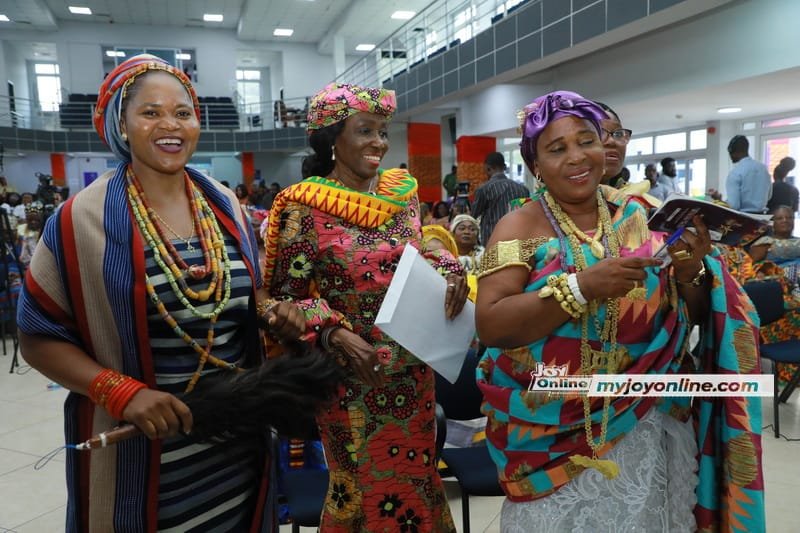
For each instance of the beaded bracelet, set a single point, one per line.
(265, 306)
(558, 288)
(113, 391)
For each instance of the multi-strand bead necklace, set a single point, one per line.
(216, 263)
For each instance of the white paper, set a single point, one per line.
(412, 313)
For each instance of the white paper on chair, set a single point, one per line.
(412, 313)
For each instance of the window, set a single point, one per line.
(788, 121)
(248, 85)
(640, 146)
(697, 140)
(671, 142)
(48, 86)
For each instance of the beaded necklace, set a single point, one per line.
(172, 265)
(591, 360)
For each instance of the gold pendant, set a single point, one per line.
(608, 468)
(639, 293)
(597, 249)
(189, 247)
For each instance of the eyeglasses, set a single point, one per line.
(621, 135)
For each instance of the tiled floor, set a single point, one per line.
(33, 501)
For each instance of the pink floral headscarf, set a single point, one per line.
(337, 101)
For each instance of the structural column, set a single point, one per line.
(425, 159)
(471, 152)
(248, 170)
(58, 170)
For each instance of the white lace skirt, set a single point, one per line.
(654, 491)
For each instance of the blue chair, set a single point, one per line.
(767, 297)
(472, 467)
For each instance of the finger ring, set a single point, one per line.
(376, 368)
(451, 285)
(683, 255)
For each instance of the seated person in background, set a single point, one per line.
(19, 209)
(782, 248)
(425, 216)
(30, 232)
(241, 194)
(783, 193)
(435, 237)
(441, 214)
(467, 235)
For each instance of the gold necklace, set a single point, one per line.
(593, 360)
(595, 243)
(189, 247)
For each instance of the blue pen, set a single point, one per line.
(662, 252)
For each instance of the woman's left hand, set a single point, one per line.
(285, 321)
(456, 295)
(688, 253)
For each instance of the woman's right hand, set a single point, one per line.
(614, 277)
(286, 321)
(362, 356)
(158, 414)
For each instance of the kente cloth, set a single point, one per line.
(395, 188)
(531, 438)
(109, 99)
(337, 101)
(379, 442)
(85, 286)
(744, 270)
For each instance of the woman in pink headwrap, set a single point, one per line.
(332, 246)
(144, 283)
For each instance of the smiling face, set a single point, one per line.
(570, 159)
(361, 145)
(614, 149)
(783, 222)
(161, 125)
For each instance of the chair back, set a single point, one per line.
(461, 400)
(767, 297)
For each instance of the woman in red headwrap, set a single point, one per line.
(332, 246)
(145, 282)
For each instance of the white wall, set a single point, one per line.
(398, 145)
(21, 171)
(297, 67)
(280, 167)
(227, 168)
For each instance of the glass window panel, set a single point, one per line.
(671, 142)
(697, 177)
(788, 121)
(252, 74)
(749, 126)
(49, 92)
(45, 68)
(640, 146)
(697, 139)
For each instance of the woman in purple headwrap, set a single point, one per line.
(143, 284)
(569, 286)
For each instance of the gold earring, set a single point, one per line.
(333, 153)
(124, 137)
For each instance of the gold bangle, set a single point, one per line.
(265, 306)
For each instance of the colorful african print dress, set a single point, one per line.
(333, 251)
(531, 438)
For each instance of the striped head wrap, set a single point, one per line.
(337, 101)
(535, 117)
(112, 92)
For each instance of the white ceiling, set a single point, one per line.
(313, 21)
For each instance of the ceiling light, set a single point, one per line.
(403, 15)
(728, 109)
(183, 57)
(210, 17)
(115, 53)
(80, 10)
(4, 18)
(282, 32)
(365, 47)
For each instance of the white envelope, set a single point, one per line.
(413, 315)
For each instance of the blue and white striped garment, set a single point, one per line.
(203, 487)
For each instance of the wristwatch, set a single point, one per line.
(697, 280)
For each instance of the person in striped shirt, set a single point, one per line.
(492, 199)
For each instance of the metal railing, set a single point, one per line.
(214, 114)
(442, 25)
